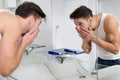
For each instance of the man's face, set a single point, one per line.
(36, 24)
(32, 23)
(82, 23)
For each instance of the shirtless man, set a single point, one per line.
(26, 20)
(102, 29)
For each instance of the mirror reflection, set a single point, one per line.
(59, 40)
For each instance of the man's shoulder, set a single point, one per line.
(6, 14)
(112, 18)
(5, 10)
(9, 21)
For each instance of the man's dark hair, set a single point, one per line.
(29, 8)
(81, 12)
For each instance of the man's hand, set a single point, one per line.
(31, 34)
(28, 38)
(86, 33)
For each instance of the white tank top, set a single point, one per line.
(101, 34)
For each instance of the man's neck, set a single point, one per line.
(96, 21)
(21, 22)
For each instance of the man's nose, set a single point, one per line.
(78, 27)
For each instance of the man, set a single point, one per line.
(17, 31)
(102, 29)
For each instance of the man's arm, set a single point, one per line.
(112, 36)
(86, 46)
(11, 51)
(8, 50)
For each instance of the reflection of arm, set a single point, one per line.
(112, 36)
(10, 56)
(86, 46)
(11, 50)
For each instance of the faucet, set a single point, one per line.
(32, 47)
(11, 77)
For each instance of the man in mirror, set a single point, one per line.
(102, 29)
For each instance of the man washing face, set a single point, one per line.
(18, 31)
(102, 29)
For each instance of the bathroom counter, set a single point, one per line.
(110, 73)
(60, 54)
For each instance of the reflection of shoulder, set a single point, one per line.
(6, 19)
(6, 13)
(10, 21)
(5, 10)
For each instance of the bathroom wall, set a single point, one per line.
(1, 4)
(110, 6)
(58, 19)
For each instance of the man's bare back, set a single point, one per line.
(13, 43)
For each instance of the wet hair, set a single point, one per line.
(29, 8)
(81, 12)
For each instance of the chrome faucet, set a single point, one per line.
(32, 47)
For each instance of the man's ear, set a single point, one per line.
(31, 20)
(90, 20)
